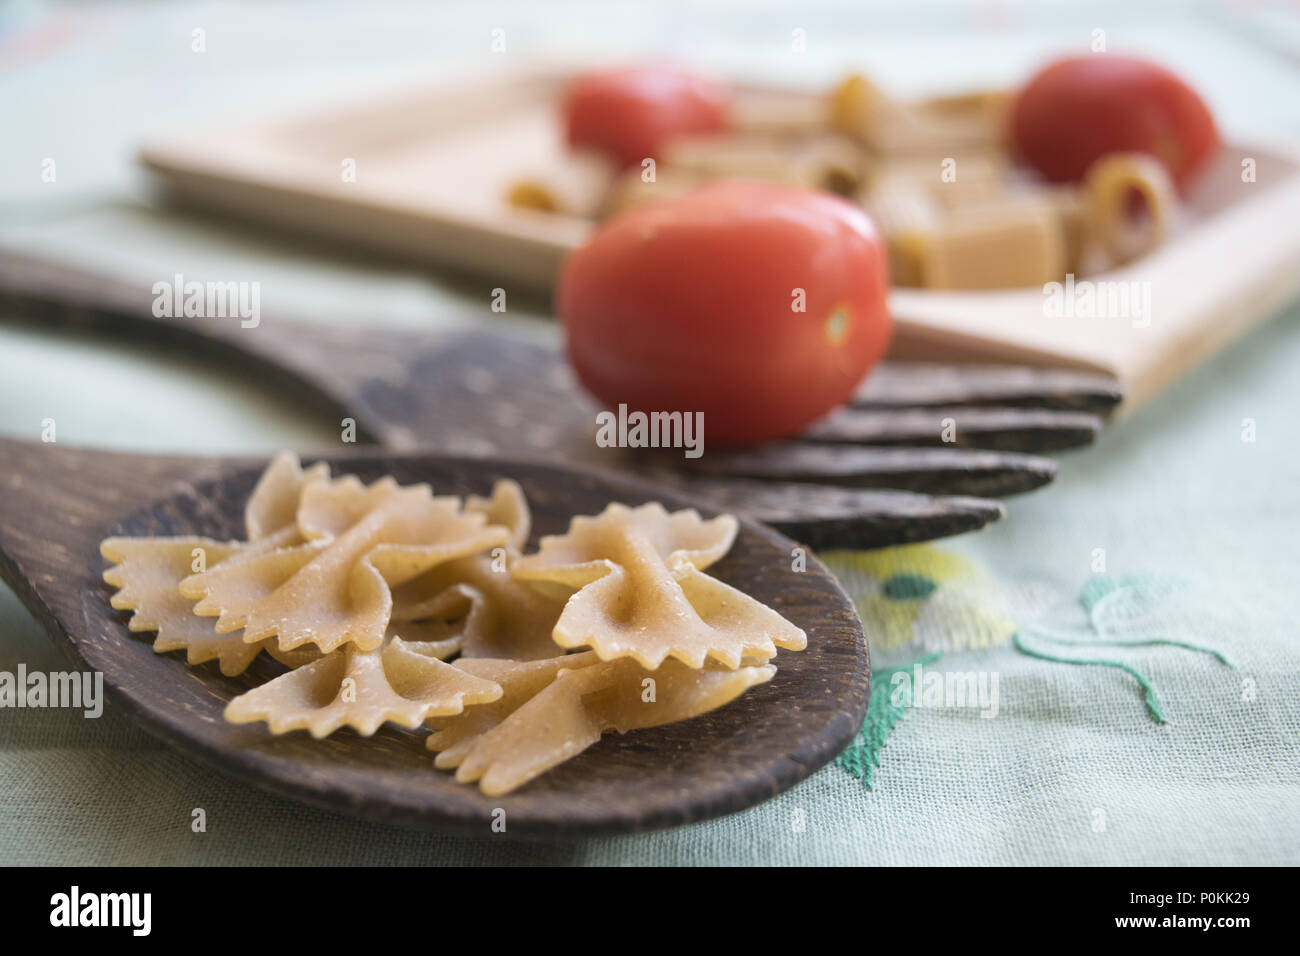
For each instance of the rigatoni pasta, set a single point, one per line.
(1112, 183)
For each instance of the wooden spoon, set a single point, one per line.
(57, 504)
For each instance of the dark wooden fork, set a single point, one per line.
(875, 473)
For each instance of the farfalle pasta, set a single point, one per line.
(360, 541)
(584, 700)
(502, 617)
(362, 689)
(147, 574)
(388, 604)
(642, 592)
(148, 571)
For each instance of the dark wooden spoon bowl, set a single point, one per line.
(59, 503)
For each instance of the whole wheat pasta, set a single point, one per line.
(984, 107)
(574, 709)
(575, 186)
(995, 246)
(778, 113)
(365, 593)
(825, 161)
(633, 189)
(907, 217)
(641, 593)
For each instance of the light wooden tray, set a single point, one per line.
(433, 166)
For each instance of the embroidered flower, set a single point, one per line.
(918, 594)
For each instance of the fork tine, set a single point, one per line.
(1006, 429)
(826, 516)
(944, 471)
(911, 384)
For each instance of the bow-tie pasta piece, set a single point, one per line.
(146, 573)
(520, 681)
(434, 624)
(580, 704)
(298, 657)
(149, 570)
(335, 589)
(503, 618)
(507, 507)
(440, 639)
(578, 557)
(333, 509)
(362, 690)
(642, 594)
(365, 591)
(229, 592)
(273, 505)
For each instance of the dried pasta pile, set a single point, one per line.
(367, 593)
(936, 175)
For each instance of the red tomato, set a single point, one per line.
(760, 305)
(632, 113)
(1078, 109)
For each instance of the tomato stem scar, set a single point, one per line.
(837, 325)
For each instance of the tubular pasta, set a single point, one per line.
(1110, 183)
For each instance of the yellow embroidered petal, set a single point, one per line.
(362, 690)
(934, 563)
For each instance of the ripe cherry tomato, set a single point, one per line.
(632, 113)
(760, 305)
(1078, 109)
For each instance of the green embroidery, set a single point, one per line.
(1152, 701)
(920, 595)
(908, 587)
(883, 714)
(1108, 598)
(913, 594)
(1054, 637)
(1132, 594)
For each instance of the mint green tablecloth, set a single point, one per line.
(1072, 768)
